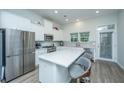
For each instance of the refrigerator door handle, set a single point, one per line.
(2, 73)
(33, 52)
(13, 55)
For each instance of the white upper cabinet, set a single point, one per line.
(58, 35)
(38, 29)
(48, 27)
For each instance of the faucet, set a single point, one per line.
(77, 44)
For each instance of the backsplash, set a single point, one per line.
(90, 44)
(45, 43)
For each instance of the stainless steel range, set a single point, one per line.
(50, 48)
(17, 53)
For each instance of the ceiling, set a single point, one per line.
(72, 14)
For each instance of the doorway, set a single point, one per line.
(106, 43)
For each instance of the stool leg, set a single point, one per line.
(78, 80)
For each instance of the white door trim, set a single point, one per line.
(114, 45)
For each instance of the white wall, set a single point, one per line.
(8, 20)
(26, 14)
(89, 25)
(14, 20)
(121, 38)
(11, 19)
(22, 20)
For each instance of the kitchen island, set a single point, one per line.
(53, 67)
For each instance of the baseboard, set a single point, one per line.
(121, 66)
(106, 60)
(37, 66)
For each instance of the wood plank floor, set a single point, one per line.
(106, 72)
(101, 72)
(31, 77)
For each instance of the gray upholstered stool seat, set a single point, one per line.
(84, 62)
(79, 68)
(88, 54)
(76, 71)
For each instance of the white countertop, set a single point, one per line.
(64, 56)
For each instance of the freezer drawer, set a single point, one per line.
(29, 62)
(14, 67)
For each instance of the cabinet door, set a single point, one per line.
(38, 29)
(58, 35)
(55, 35)
(61, 36)
(48, 27)
(36, 57)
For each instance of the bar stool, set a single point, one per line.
(80, 69)
(88, 54)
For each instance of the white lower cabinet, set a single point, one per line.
(39, 52)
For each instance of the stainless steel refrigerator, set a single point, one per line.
(17, 53)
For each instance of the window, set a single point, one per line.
(84, 36)
(74, 37)
(106, 27)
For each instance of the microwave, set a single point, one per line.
(48, 37)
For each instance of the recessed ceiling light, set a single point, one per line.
(97, 12)
(66, 19)
(55, 11)
(77, 20)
